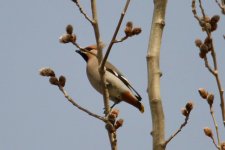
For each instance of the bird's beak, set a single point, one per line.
(82, 54)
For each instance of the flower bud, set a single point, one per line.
(69, 29)
(54, 81)
(115, 112)
(119, 123)
(66, 38)
(129, 24)
(206, 19)
(202, 55)
(128, 31)
(47, 72)
(73, 38)
(184, 112)
(189, 106)
(198, 42)
(208, 132)
(222, 146)
(213, 27)
(62, 81)
(203, 93)
(214, 19)
(204, 48)
(210, 99)
(136, 31)
(208, 26)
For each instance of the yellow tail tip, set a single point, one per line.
(142, 109)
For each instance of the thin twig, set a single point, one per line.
(112, 136)
(215, 124)
(114, 35)
(179, 130)
(214, 142)
(81, 108)
(220, 4)
(207, 65)
(214, 70)
(194, 11)
(202, 9)
(121, 40)
(82, 11)
(216, 75)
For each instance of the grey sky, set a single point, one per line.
(35, 115)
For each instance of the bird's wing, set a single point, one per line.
(112, 69)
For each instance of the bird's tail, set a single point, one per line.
(130, 99)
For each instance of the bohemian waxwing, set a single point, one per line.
(118, 86)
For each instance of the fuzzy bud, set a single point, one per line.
(115, 112)
(129, 24)
(136, 31)
(198, 42)
(213, 27)
(214, 19)
(208, 132)
(189, 106)
(73, 38)
(69, 29)
(128, 31)
(184, 112)
(119, 123)
(202, 55)
(206, 19)
(208, 27)
(210, 99)
(62, 81)
(54, 81)
(204, 48)
(222, 146)
(47, 72)
(66, 38)
(203, 93)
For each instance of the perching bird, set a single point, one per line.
(118, 86)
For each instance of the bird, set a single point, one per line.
(118, 86)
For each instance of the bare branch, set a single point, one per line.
(214, 70)
(202, 9)
(215, 124)
(112, 136)
(81, 108)
(121, 40)
(179, 130)
(207, 65)
(82, 11)
(214, 142)
(154, 74)
(221, 5)
(114, 35)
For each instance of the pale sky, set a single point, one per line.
(35, 115)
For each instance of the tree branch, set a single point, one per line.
(81, 108)
(82, 11)
(215, 124)
(213, 71)
(154, 74)
(112, 136)
(114, 35)
(178, 131)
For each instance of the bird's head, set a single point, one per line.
(91, 52)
